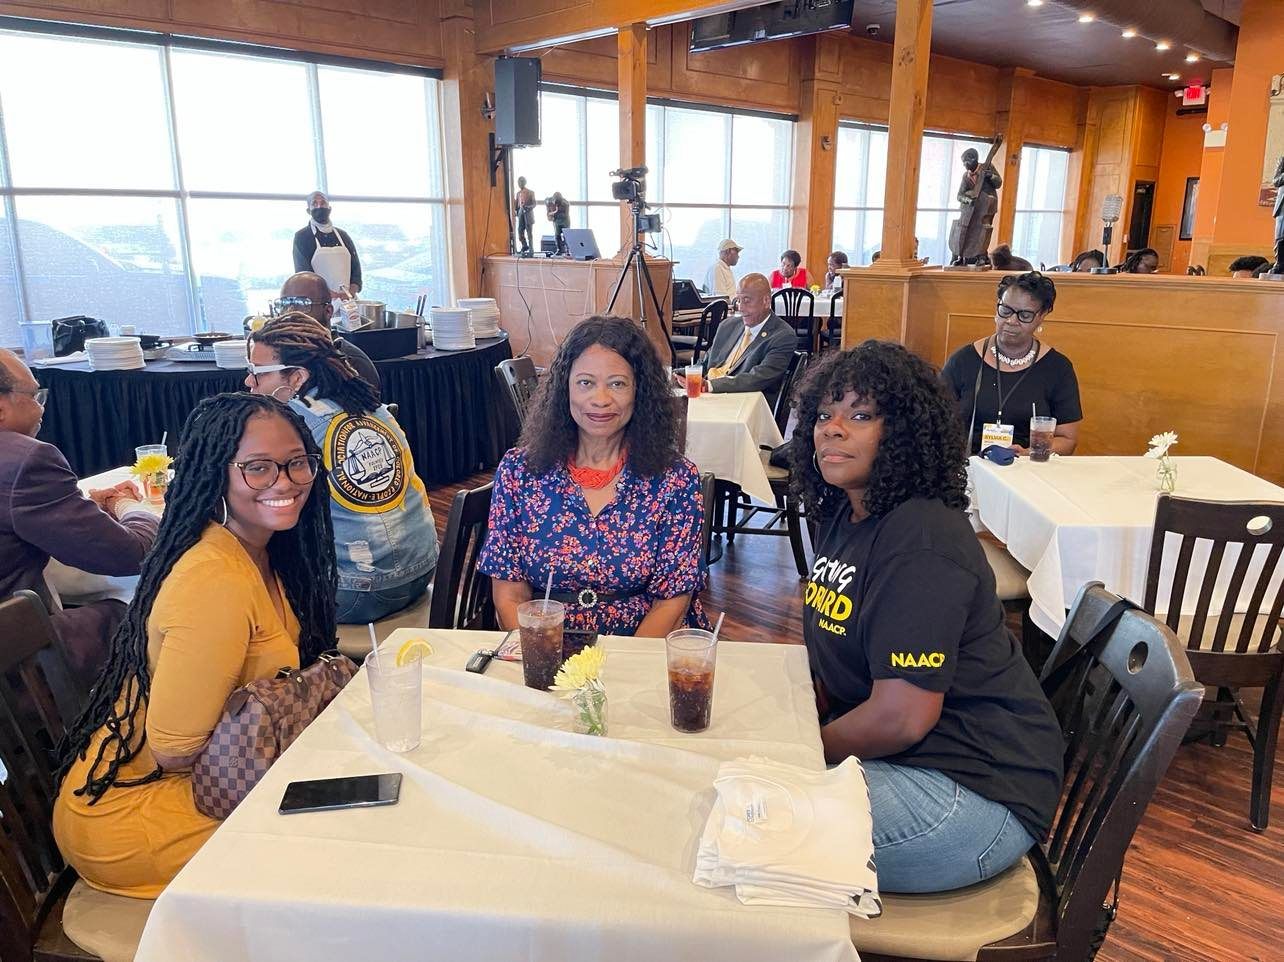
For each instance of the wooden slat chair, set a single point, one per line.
(690, 348)
(1124, 698)
(1227, 650)
(520, 379)
(46, 913)
(832, 334)
(797, 308)
(461, 594)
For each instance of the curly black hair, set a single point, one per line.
(922, 453)
(551, 436)
(1037, 285)
(303, 557)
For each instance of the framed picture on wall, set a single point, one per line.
(1188, 209)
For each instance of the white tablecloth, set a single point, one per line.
(723, 435)
(1074, 520)
(73, 585)
(514, 839)
(822, 306)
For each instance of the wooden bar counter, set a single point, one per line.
(1195, 355)
(542, 298)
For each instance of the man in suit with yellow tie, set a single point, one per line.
(754, 355)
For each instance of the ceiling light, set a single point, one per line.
(1128, 33)
(1163, 45)
(1086, 18)
(1034, 3)
(1173, 76)
(1192, 57)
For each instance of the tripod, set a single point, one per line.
(641, 273)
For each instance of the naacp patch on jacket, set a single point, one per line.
(367, 471)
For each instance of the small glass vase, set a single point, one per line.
(1166, 475)
(589, 703)
(155, 485)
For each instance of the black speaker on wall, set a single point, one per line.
(517, 101)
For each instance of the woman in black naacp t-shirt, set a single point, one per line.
(915, 672)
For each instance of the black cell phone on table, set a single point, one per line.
(330, 794)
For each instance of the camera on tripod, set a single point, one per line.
(631, 189)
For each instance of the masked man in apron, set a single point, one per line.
(327, 250)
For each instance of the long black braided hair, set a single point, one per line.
(302, 342)
(303, 558)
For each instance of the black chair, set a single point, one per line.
(1227, 650)
(1124, 696)
(461, 594)
(708, 490)
(797, 307)
(832, 334)
(41, 899)
(736, 511)
(689, 348)
(520, 379)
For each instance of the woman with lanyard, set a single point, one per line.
(327, 250)
(1000, 381)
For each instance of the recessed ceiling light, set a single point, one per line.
(1163, 45)
(1173, 76)
(1128, 33)
(1192, 57)
(1034, 3)
(1086, 18)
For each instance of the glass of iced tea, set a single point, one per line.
(540, 623)
(691, 654)
(695, 380)
(1041, 431)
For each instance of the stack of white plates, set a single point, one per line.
(483, 315)
(114, 353)
(230, 355)
(451, 330)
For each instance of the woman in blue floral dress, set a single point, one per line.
(598, 493)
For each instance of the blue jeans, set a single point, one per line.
(358, 607)
(931, 834)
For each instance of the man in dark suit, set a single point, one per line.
(753, 355)
(44, 515)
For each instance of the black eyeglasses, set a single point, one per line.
(1025, 317)
(40, 395)
(294, 302)
(261, 473)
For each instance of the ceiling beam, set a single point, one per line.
(509, 26)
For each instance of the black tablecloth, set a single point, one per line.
(451, 407)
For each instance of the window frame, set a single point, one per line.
(1061, 212)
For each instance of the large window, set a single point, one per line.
(1040, 205)
(713, 174)
(859, 184)
(939, 176)
(161, 185)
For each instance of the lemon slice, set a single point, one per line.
(414, 649)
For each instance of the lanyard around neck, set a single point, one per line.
(998, 388)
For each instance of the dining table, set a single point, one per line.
(1071, 520)
(73, 585)
(514, 837)
(725, 437)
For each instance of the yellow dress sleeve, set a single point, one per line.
(206, 617)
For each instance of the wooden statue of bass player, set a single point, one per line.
(979, 200)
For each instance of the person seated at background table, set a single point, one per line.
(999, 380)
(754, 355)
(309, 293)
(1144, 261)
(1085, 261)
(1002, 259)
(915, 671)
(384, 533)
(240, 583)
(719, 280)
(1248, 265)
(836, 262)
(791, 272)
(598, 492)
(44, 515)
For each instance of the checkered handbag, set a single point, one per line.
(260, 721)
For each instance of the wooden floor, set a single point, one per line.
(1199, 884)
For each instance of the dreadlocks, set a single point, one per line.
(301, 342)
(303, 558)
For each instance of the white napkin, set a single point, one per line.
(75, 358)
(784, 835)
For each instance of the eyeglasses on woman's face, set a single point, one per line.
(257, 369)
(261, 473)
(1025, 317)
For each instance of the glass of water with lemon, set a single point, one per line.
(395, 673)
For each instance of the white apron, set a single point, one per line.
(333, 263)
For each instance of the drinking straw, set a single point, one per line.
(548, 588)
(164, 437)
(718, 627)
(374, 643)
(1034, 412)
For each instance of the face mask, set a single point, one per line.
(321, 215)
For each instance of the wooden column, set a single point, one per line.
(815, 156)
(910, 55)
(477, 213)
(1009, 124)
(631, 60)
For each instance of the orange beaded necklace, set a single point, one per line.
(595, 478)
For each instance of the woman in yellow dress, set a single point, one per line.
(240, 583)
